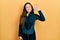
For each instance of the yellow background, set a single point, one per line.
(10, 11)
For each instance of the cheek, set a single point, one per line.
(28, 9)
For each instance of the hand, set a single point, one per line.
(36, 7)
(20, 38)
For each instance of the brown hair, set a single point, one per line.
(24, 13)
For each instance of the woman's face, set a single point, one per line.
(28, 8)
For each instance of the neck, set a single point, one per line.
(28, 14)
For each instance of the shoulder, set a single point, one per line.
(35, 14)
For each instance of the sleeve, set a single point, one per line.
(20, 30)
(40, 16)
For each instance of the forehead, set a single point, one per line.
(28, 5)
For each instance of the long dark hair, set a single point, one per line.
(24, 13)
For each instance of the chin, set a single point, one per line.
(28, 11)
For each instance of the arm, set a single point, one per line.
(20, 30)
(40, 16)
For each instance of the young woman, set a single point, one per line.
(27, 21)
